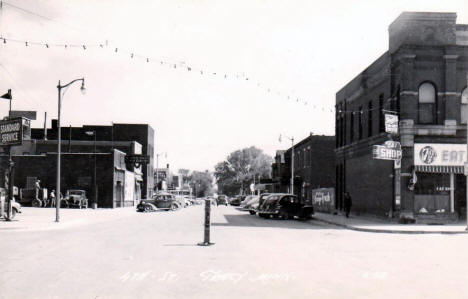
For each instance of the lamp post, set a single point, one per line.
(59, 141)
(10, 165)
(93, 133)
(292, 162)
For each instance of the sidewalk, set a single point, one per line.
(376, 225)
(39, 219)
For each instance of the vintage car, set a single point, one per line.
(15, 206)
(159, 201)
(74, 198)
(222, 200)
(285, 206)
(236, 201)
(252, 205)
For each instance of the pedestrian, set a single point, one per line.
(347, 203)
(52, 198)
(37, 186)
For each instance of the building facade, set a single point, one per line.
(116, 136)
(422, 78)
(313, 166)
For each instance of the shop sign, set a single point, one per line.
(391, 123)
(439, 154)
(384, 153)
(11, 132)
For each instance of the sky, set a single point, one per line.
(269, 67)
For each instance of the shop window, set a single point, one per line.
(432, 193)
(464, 106)
(427, 104)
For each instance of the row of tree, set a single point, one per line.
(241, 169)
(233, 176)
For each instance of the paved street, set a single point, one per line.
(153, 255)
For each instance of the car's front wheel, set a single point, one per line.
(36, 203)
(174, 207)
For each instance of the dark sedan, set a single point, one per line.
(285, 206)
(160, 201)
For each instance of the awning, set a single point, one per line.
(438, 169)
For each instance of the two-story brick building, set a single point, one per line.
(313, 166)
(423, 79)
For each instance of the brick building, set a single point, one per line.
(423, 79)
(313, 166)
(116, 136)
(83, 149)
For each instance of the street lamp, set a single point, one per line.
(59, 141)
(93, 133)
(8, 96)
(292, 161)
(157, 171)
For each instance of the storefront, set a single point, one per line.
(439, 183)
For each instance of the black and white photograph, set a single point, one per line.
(233, 149)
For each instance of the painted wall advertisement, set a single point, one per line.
(323, 200)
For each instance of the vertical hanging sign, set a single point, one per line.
(391, 123)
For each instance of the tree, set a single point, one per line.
(240, 169)
(201, 183)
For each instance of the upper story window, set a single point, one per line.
(381, 114)
(427, 104)
(351, 128)
(464, 106)
(360, 122)
(369, 119)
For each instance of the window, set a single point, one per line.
(351, 131)
(369, 119)
(464, 106)
(381, 114)
(427, 104)
(360, 121)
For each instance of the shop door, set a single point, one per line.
(460, 195)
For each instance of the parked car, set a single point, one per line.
(236, 201)
(285, 206)
(28, 197)
(246, 200)
(222, 200)
(74, 198)
(252, 205)
(15, 206)
(160, 201)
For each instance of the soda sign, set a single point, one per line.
(11, 132)
(384, 153)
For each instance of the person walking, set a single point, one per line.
(347, 203)
(52, 198)
(37, 186)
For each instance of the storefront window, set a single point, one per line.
(432, 193)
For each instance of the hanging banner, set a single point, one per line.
(391, 123)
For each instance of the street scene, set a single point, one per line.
(212, 149)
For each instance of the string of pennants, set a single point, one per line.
(167, 63)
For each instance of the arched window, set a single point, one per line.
(427, 104)
(464, 106)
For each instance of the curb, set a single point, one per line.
(390, 231)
